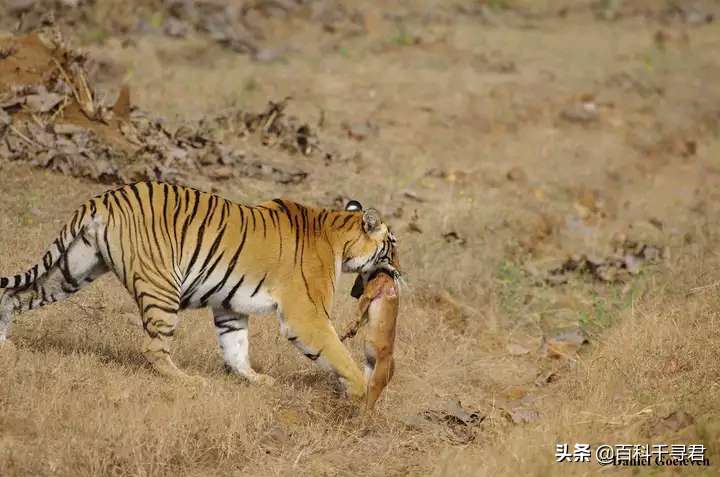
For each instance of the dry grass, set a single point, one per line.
(76, 398)
(659, 362)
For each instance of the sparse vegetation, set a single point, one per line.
(558, 224)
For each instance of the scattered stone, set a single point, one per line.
(413, 196)
(358, 131)
(455, 238)
(517, 174)
(583, 113)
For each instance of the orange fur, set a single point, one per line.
(379, 305)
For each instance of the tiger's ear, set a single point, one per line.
(353, 206)
(371, 220)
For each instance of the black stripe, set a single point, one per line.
(347, 219)
(262, 216)
(297, 239)
(157, 295)
(283, 206)
(65, 270)
(151, 193)
(188, 219)
(47, 260)
(201, 234)
(257, 288)
(165, 230)
(152, 306)
(227, 330)
(227, 320)
(228, 299)
(230, 269)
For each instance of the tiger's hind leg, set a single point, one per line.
(6, 316)
(233, 336)
(160, 318)
(80, 265)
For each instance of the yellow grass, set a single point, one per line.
(77, 399)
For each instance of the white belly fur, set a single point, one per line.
(260, 304)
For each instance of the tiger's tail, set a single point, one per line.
(57, 249)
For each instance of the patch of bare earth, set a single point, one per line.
(549, 167)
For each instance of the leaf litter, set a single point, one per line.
(458, 424)
(51, 117)
(627, 260)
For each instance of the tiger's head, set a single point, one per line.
(372, 243)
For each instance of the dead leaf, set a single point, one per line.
(520, 415)
(564, 344)
(121, 108)
(358, 131)
(454, 237)
(453, 413)
(546, 378)
(668, 424)
(43, 101)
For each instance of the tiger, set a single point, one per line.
(176, 248)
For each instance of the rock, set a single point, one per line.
(517, 174)
(176, 28)
(269, 55)
(18, 7)
(584, 113)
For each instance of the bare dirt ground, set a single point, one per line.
(551, 170)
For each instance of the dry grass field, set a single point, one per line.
(551, 169)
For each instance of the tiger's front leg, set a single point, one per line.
(313, 334)
(233, 336)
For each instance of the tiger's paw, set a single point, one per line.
(354, 392)
(251, 376)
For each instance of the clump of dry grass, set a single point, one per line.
(659, 362)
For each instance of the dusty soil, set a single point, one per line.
(551, 170)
